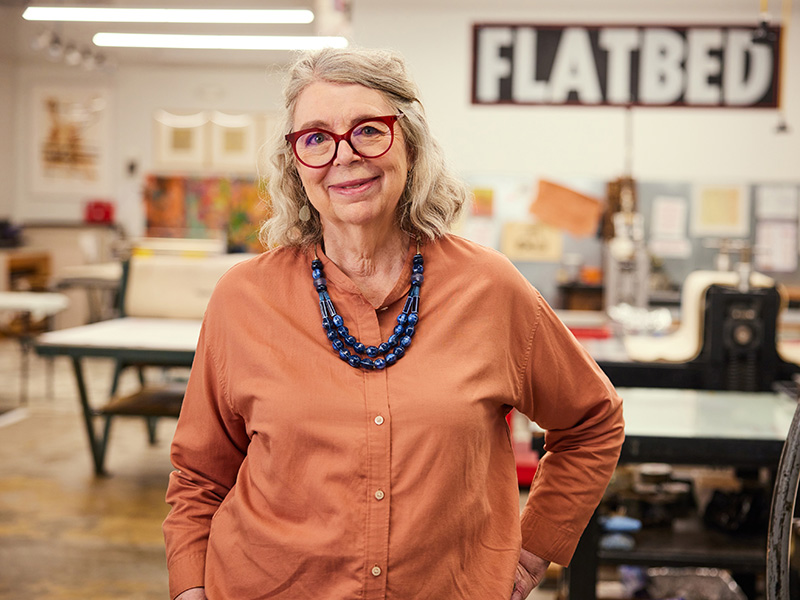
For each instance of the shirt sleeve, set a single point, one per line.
(208, 448)
(566, 393)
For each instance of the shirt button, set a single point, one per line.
(376, 570)
(379, 420)
(379, 495)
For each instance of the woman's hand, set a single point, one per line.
(530, 572)
(197, 593)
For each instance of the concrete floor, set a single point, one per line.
(64, 533)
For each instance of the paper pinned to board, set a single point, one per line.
(567, 209)
(532, 242)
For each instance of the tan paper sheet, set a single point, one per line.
(567, 209)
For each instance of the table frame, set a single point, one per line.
(124, 357)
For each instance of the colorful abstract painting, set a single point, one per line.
(204, 207)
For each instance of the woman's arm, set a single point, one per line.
(208, 448)
(567, 394)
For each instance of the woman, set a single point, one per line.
(343, 433)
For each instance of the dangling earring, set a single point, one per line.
(305, 213)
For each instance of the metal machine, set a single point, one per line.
(739, 342)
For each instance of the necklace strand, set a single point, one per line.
(351, 350)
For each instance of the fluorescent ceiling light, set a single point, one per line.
(165, 15)
(218, 42)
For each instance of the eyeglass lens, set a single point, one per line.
(369, 139)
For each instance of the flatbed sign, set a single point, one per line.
(622, 65)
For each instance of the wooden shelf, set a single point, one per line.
(163, 401)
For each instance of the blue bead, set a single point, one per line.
(343, 331)
(384, 347)
(418, 270)
(359, 347)
(326, 322)
(337, 320)
(366, 363)
(413, 318)
(354, 361)
(332, 335)
(401, 318)
(316, 264)
(418, 260)
(322, 284)
(405, 342)
(399, 329)
(344, 355)
(379, 363)
(350, 340)
(337, 345)
(391, 358)
(399, 351)
(372, 351)
(392, 341)
(316, 273)
(417, 279)
(410, 330)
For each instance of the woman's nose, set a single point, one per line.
(345, 153)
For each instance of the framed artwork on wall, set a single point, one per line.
(71, 145)
(211, 142)
(720, 211)
(233, 142)
(180, 141)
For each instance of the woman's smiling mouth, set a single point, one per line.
(352, 186)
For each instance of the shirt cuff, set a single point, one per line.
(186, 572)
(548, 540)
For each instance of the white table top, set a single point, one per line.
(129, 333)
(96, 273)
(39, 304)
(661, 412)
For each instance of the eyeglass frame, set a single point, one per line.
(388, 120)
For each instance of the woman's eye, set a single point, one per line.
(368, 130)
(314, 139)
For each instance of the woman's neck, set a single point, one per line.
(373, 261)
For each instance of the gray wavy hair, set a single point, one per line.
(433, 195)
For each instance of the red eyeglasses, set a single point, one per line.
(369, 138)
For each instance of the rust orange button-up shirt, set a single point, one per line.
(298, 476)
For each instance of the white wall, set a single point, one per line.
(694, 144)
(678, 144)
(136, 92)
(7, 182)
(143, 90)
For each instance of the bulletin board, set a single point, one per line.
(684, 223)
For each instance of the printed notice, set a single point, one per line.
(776, 246)
(776, 202)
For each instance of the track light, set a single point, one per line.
(42, 40)
(72, 56)
(55, 50)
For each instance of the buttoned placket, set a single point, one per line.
(378, 463)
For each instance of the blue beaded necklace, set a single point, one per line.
(386, 353)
